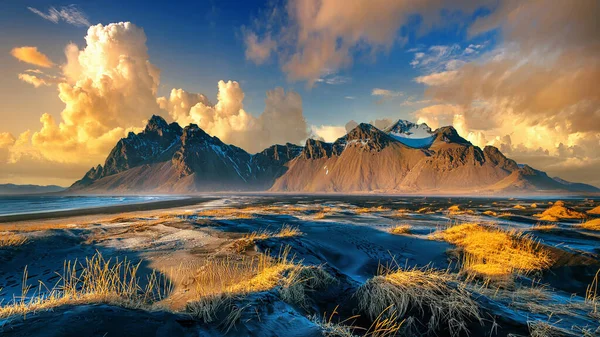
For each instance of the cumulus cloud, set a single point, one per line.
(109, 87)
(315, 36)
(282, 120)
(31, 55)
(70, 14)
(328, 133)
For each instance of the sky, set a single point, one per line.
(521, 76)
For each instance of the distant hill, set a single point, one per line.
(404, 158)
(9, 189)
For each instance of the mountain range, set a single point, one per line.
(403, 158)
(12, 189)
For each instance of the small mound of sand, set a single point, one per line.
(595, 210)
(559, 211)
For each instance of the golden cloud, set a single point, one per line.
(31, 55)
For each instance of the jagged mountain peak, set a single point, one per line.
(448, 134)
(409, 128)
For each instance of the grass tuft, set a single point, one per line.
(494, 253)
(12, 240)
(96, 280)
(433, 295)
(401, 229)
(593, 225)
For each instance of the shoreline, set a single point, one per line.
(105, 210)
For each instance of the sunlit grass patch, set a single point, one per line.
(456, 210)
(519, 207)
(440, 301)
(593, 225)
(363, 210)
(401, 229)
(95, 280)
(12, 240)
(221, 281)
(559, 211)
(494, 253)
(490, 213)
(286, 231)
(226, 213)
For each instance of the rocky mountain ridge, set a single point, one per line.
(404, 158)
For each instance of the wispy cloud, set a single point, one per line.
(70, 14)
(334, 80)
(385, 94)
(350, 97)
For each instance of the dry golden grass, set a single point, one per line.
(96, 280)
(456, 210)
(591, 294)
(490, 213)
(286, 231)
(220, 282)
(593, 225)
(559, 211)
(436, 296)
(362, 210)
(519, 207)
(545, 329)
(424, 210)
(595, 210)
(401, 229)
(34, 227)
(543, 227)
(225, 213)
(12, 240)
(534, 205)
(386, 325)
(494, 253)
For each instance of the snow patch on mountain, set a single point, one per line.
(411, 134)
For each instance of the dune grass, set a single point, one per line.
(12, 240)
(490, 213)
(236, 213)
(593, 225)
(385, 325)
(494, 253)
(456, 210)
(244, 243)
(435, 296)
(559, 211)
(221, 282)
(401, 229)
(541, 227)
(95, 280)
(363, 210)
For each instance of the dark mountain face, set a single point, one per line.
(406, 157)
(184, 160)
